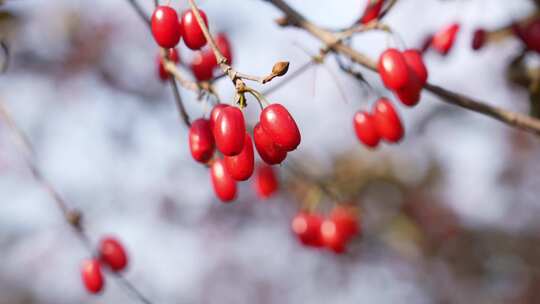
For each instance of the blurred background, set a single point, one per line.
(448, 216)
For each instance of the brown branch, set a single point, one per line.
(387, 9)
(510, 118)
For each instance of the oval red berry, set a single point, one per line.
(92, 276)
(193, 34)
(229, 131)
(224, 185)
(201, 140)
(393, 69)
(241, 166)
(112, 253)
(165, 27)
(269, 152)
(366, 131)
(278, 123)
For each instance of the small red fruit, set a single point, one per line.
(372, 11)
(224, 46)
(278, 123)
(224, 185)
(444, 39)
(112, 253)
(216, 110)
(416, 64)
(332, 237)
(201, 140)
(531, 35)
(410, 94)
(172, 55)
(393, 69)
(165, 27)
(193, 34)
(387, 121)
(269, 152)
(266, 183)
(479, 39)
(241, 166)
(91, 276)
(307, 227)
(203, 65)
(366, 131)
(229, 131)
(346, 220)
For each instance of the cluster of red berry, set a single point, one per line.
(275, 135)
(110, 254)
(167, 30)
(333, 232)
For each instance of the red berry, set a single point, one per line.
(278, 123)
(307, 227)
(332, 237)
(112, 253)
(269, 152)
(444, 39)
(229, 131)
(393, 69)
(410, 94)
(240, 166)
(364, 125)
(216, 110)
(165, 27)
(387, 121)
(479, 39)
(193, 34)
(224, 46)
(346, 220)
(91, 276)
(266, 183)
(372, 11)
(201, 140)
(416, 64)
(224, 185)
(532, 35)
(203, 65)
(172, 55)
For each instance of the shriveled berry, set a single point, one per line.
(266, 183)
(366, 131)
(278, 123)
(269, 152)
(241, 166)
(92, 276)
(479, 39)
(193, 34)
(393, 69)
(224, 185)
(201, 140)
(165, 27)
(113, 254)
(387, 121)
(229, 131)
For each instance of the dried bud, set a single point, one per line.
(282, 21)
(280, 68)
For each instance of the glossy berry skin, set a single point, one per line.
(229, 131)
(269, 152)
(387, 121)
(224, 46)
(410, 94)
(203, 65)
(165, 27)
(92, 276)
(479, 39)
(307, 227)
(241, 166)
(113, 254)
(393, 69)
(192, 32)
(201, 140)
(366, 131)
(443, 40)
(266, 183)
(173, 56)
(373, 9)
(224, 185)
(346, 220)
(278, 123)
(415, 62)
(216, 110)
(332, 237)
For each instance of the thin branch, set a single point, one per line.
(510, 118)
(140, 11)
(387, 9)
(179, 104)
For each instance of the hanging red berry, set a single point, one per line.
(216, 110)
(479, 39)
(366, 131)
(444, 39)
(531, 35)
(201, 140)
(172, 55)
(266, 183)
(193, 34)
(372, 11)
(269, 152)
(229, 131)
(415, 62)
(224, 46)
(224, 185)
(112, 253)
(332, 237)
(165, 27)
(91, 276)
(393, 69)
(278, 123)
(240, 167)
(346, 220)
(203, 65)
(307, 227)
(387, 121)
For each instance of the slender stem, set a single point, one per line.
(179, 104)
(140, 11)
